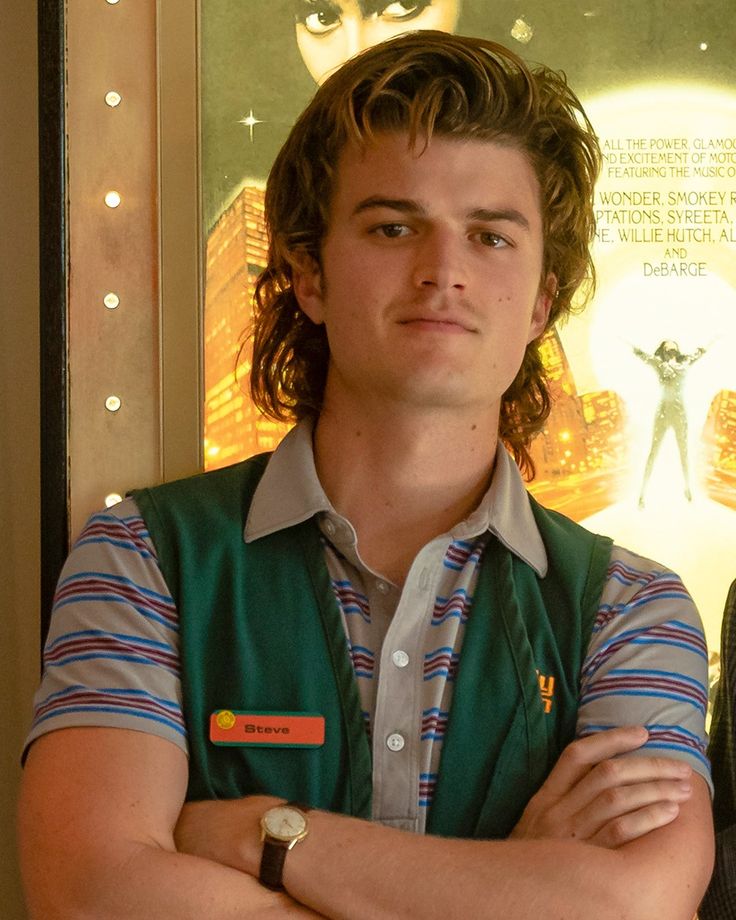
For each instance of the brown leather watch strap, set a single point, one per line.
(271, 873)
(273, 856)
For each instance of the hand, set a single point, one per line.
(224, 831)
(595, 795)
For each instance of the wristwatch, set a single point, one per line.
(282, 827)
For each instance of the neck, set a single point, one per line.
(403, 477)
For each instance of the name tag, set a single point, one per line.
(267, 729)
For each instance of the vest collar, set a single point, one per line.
(290, 492)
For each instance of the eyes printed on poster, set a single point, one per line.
(329, 32)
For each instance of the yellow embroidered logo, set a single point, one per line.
(547, 689)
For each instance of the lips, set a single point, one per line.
(435, 323)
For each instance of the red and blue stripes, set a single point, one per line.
(351, 601)
(364, 661)
(434, 724)
(442, 662)
(124, 534)
(457, 605)
(673, 739)
(124, 701)
(94, 587)
(664, 685)
(89, 644)
(460, 553)
(427, 784)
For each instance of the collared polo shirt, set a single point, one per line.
(112, 654)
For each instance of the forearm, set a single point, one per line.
(96, 837)
(348, 868)
(146, 881)
(181, 887)
(390, 876)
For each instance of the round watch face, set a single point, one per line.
(284, 822)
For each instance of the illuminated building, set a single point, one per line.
(719, 437)
(236, 254)
(580, 455)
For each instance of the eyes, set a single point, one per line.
(392, 231)
(320, 17)
(395, 231)
(403, 9)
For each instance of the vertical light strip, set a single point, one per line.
(114, 397)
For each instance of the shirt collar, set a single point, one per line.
(505, 510)
(290, 492)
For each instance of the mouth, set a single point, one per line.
(434, 324)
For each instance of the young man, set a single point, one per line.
(377, 622)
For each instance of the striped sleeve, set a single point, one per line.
(112, 654)
(647, 663)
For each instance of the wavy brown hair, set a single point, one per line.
(423, 83)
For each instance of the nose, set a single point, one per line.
(439, 262)
(354, 38)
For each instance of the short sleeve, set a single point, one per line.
(647, 663)
(111, 658)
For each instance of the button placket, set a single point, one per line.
(399, 698)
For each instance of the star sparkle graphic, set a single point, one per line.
(250, 121)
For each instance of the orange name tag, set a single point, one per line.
(267, 729)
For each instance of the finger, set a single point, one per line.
(621, 801)
(583, 754)
(610, 776)
(621, 772)
(635, 824)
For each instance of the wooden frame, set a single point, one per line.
(119, 380)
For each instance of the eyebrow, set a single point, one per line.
(410, 206)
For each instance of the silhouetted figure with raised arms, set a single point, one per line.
(671, 366)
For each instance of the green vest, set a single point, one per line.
(261, 630)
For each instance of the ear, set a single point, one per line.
(542, 306)
(307, 286)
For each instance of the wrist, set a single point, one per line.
(284, 826)
(252, 842)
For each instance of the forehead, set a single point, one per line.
(440, 172)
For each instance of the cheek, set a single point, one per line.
(442, 16)
(320, 55)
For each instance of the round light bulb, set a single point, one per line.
(112, 403)
(111, 300)
(112, 199)
(113, 498)
(113, 99)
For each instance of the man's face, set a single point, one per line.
(329, 32)
(430, 285)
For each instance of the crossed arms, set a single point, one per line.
(105, 834)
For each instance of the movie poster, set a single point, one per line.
(641, 444)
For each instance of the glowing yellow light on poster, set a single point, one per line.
(666, 208)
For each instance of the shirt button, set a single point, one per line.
(329, 528)
(395, 742)
(400, 658)
(382, 587)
